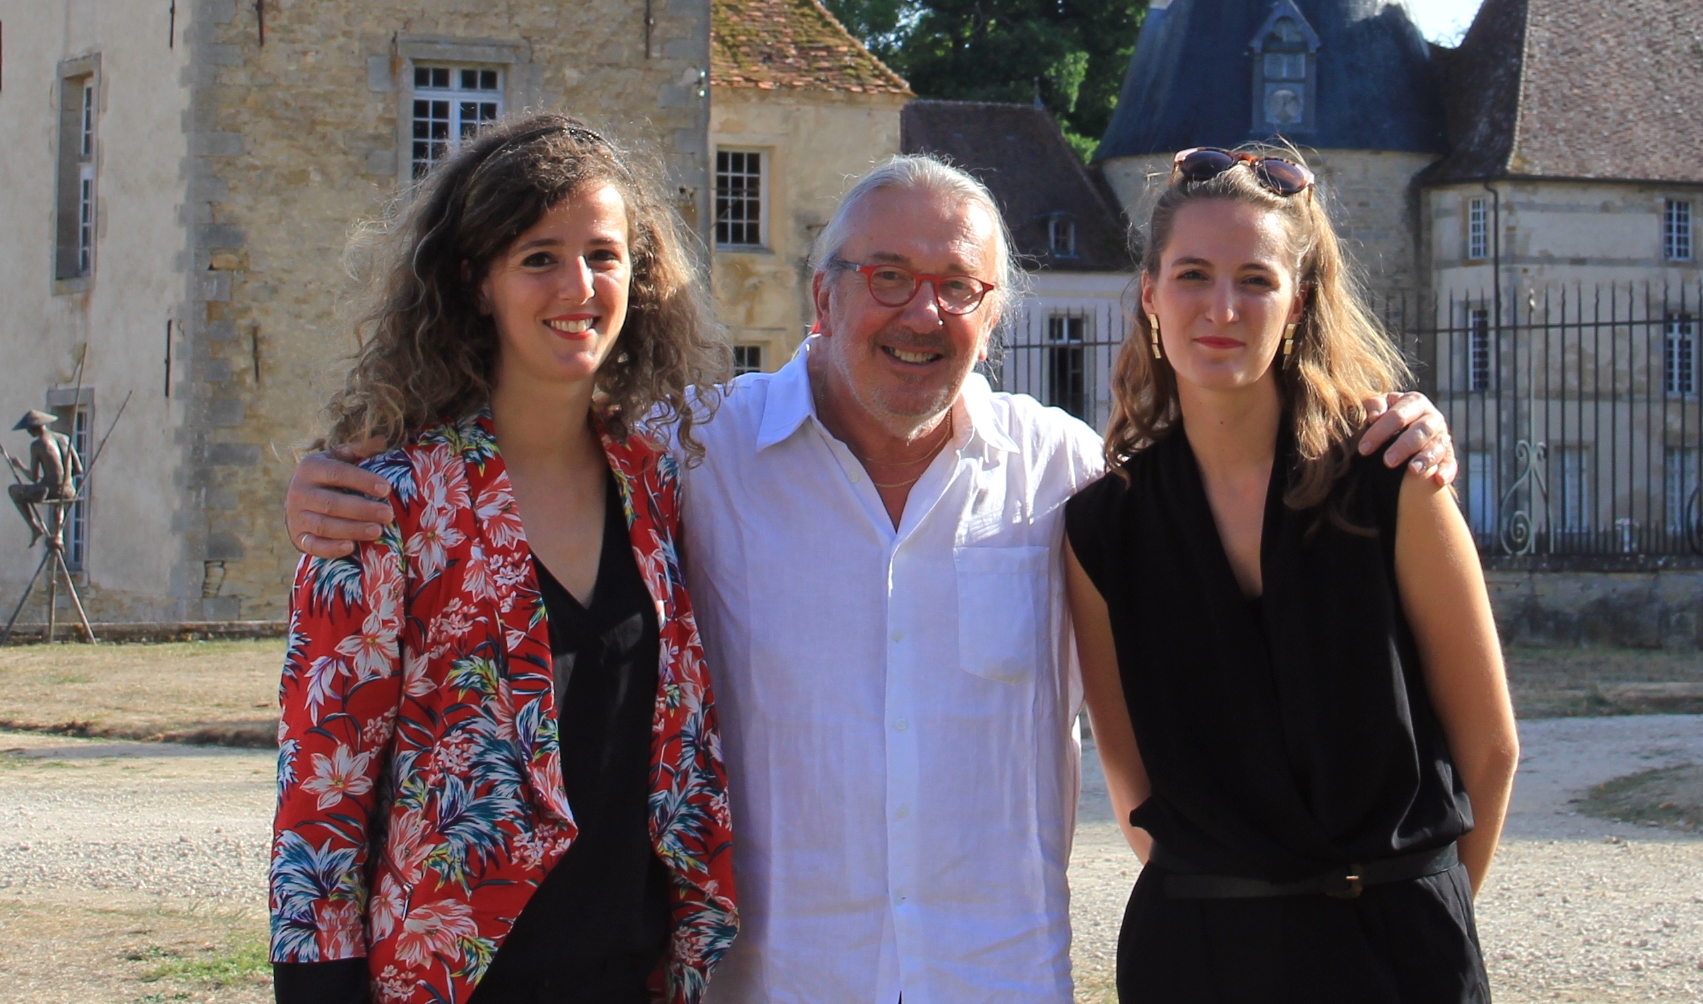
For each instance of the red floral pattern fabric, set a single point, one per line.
(420, 798)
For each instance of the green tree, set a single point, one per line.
(1069, 54)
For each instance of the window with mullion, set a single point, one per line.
(739, 198)
(451, 104)
(1676, 230)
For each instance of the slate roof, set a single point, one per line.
(1019, 153)
(1577, 89)
(1190, 80)
(791, 44)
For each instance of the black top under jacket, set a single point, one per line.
(1283, 738)
(598, 924)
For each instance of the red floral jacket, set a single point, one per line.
(420, 798)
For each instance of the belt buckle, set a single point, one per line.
(1354, 885)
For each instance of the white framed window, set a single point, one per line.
(1477, 231)
(1679, 354)
(86, 141)
(77, 197)
(1571, 501)
(451, 104)
(1481, 501)
(1067, 363)
(74, 422)
(86, 219)
(1285, 66)
(1481, 351)
(1680, 486)
(1676, 230)
(1283, 73)
(747, 359)
(1061, 235)
(740, 199)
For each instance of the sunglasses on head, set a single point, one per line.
(1203, 163)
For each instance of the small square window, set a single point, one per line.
(747, 359)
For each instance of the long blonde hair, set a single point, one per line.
(428, 352)
(1341, 355)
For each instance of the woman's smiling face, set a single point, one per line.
(558, 295)
(1225, 289)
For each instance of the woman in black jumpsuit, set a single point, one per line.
(1294, 680)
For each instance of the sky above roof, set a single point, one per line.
(1443, 21)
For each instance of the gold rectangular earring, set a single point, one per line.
(1288, 343)
(1153, 320)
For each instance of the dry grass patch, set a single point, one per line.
(203, 691)
(58, 954)
(1562, 682)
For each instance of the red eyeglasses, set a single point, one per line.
(895, 286)
(1203, 163)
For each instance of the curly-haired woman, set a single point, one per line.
(1287, 648)
(499, 774)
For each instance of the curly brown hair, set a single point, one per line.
(1341, 356)
(428, 353)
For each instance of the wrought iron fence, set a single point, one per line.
(1062, 355)
(1575, 410)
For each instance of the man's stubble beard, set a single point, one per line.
(907, 418)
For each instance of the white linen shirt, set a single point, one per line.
(897, 707)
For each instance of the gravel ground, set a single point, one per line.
(1577, 909)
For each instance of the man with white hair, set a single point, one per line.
(872, 547)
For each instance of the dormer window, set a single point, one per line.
(1284, 86)
(1061, 236)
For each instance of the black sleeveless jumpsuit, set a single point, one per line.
(1284, 738)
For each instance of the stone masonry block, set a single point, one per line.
(674, 96)
(225, 547)
(382, 162)
(216, 11)
(221, 236)
(378, 74)
(219, 55)
(226, 411)
(213, 286)
(233, 454)
(220, 331)
(221, 608)
(216, 144)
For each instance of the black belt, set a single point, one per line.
(1347, 882)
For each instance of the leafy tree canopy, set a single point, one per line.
(1069, 53)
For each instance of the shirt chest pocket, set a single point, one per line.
(1002, 611)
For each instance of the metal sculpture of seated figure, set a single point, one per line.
(53, 471)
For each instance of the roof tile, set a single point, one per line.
(1577, 89)
(791, 43)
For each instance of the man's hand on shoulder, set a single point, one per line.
(1420, 432)
(324, 509)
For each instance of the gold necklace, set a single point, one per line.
(910, 463)
(931, 455)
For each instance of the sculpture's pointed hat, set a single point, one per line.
(34, 419)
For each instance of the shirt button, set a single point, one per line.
(898, 635)
(855, 477)
(901, 725)
(904, 810)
